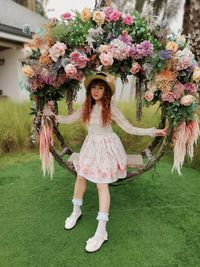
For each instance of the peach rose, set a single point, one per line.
(172, 46)
(104, 48)
(86, 14)
(149, 95)
(70, 70)
(135, 68)
(57, 50)
(45, 60)
(196, 74)
(106, 59)
(28, 71)
(187, 100)
(99, 17)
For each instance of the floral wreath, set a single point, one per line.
(64, 51)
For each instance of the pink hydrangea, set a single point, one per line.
(119, 49)
(108, 11)
(184, 59)
(141, 50)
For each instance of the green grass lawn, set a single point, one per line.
(154, 221)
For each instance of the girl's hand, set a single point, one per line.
(161, 132)
(48, 112)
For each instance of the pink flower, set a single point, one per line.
(149, 95)
(67, 16)
(191, 88)
(106, 59)
(135, 68)
(104, 48)
(57, 50)
(115, 15)
(168, 96)
(79, 76)
(78, 59)
(187, 100)
(128, 20)
(178, 90)
(70, 70)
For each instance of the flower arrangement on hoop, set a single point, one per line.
(64, 51)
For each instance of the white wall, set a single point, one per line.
(10, 74)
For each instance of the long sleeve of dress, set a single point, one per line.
(75, 116)
(127, 126)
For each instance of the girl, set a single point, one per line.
(102, 158)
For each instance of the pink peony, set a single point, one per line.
(78, 59)
(79, 76)
(57, 50)
(67, 16)
(191, 88)
(135, 68)
(149, 95)
(128, 20)
(178, 90)
(168, 96)
(115, 15)
(187, 100)
(106, 59)
(70, 70)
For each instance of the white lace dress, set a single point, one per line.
(102, 157)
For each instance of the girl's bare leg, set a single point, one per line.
(104, 205)
(79, 187)
(104, 197)
(79, 191)
(94, 243)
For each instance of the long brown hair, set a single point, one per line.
(89, 103)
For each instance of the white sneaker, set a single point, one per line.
(95, 243)
(71, 221)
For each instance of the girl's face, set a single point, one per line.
(97, 91)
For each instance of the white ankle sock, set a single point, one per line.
(102, 218)
(77, 203)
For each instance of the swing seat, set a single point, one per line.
(134, 161)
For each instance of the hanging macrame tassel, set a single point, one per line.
(46, 139)
(185, 136)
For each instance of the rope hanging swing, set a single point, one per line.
(63, 52)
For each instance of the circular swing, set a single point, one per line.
(179, 116)
(134, 161)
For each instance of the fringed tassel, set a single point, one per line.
(185, 136)
(46, 139)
